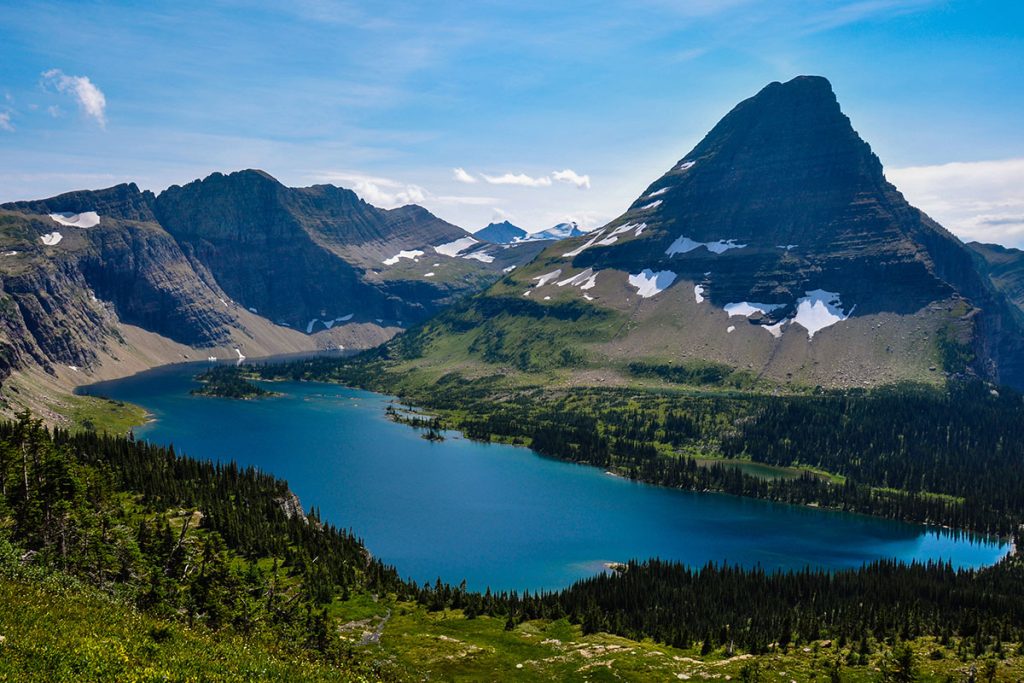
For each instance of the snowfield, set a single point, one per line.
(818, 310)
(748, 308)
(547, 277)
(412, 254)
(51, 239)
(586, 245)
(86, 219)
(684, 245)
(480, 256)
(648, 283)
(453, 248)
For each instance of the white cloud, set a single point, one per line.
(463, 177)
(517, 179)
(573, 178)
(388, 194)
(976, 200)
(90, 98)
(5, 121)
(567, 176)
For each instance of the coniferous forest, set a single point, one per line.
(115, 513)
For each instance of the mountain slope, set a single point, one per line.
(315, 256)
(776, 246)
(1004, 267)
(107, 282)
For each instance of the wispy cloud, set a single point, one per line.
(462, 176)
(516, 179)
(387, 193)
(567, 176)
(5, 121)
(976, 200)
(861, 10)
(90, 99)
(573, 178)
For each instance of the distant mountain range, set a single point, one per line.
(775, 249)
(506, 233)
(501, 233)
(120, 277)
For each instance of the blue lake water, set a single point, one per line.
(496, 515)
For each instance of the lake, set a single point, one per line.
(497, 515)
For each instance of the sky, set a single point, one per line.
(536, 112)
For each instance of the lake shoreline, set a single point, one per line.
(338, 395)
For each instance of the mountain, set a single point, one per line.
(1004, 267)
(99, 283)
(559, 232)
(775, 248)
(500, 233)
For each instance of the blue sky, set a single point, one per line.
(556, 110)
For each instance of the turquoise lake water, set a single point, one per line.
(497, 515)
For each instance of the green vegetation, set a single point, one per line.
(512, 331)
(119, 559)
(223, 382)
(948, 457)
(698, 373)
(98, 414)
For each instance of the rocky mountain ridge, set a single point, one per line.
(228, 266)
(777, 247)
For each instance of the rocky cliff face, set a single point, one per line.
(62, 302)
(315, 256)
(778, 246)
(1004, 267)
(230, 261)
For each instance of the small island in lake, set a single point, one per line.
(227, 382)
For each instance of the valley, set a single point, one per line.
(766, 423)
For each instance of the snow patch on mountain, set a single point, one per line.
(454, 248)
(481, 256)
(51, 239)
(577, 279)
(698, 293)
(818, 310)
(685, 166)
(749, 308)
(658, 193)
(547, 277)
(653, 205)
(86, 219)
(684, 244)
(586, 245)
(648, 283)
(613, 236)
(412, 254)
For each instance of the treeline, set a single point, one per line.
(180, 537)
(755, 611)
